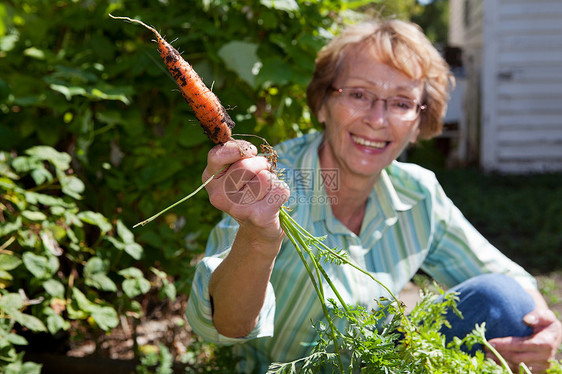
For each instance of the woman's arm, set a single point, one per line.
(238, 285)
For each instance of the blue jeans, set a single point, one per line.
(495, 299)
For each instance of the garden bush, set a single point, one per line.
(95, 138)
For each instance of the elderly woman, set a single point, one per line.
(377, 88)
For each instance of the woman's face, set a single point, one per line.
(364, 141)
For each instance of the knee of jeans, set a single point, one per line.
(504, 299)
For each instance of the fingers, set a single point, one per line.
(228, 153)
(540, 319)
(535, 350)
(248, 190)
(272, 197)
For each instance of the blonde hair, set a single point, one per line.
(399, 44)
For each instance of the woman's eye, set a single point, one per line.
(402, 104)
(358, 95)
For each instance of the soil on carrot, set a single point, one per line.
(165, 323)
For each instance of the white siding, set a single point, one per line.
(522, 86)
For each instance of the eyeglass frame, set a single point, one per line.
(419, 107)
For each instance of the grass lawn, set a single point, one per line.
(521, 215)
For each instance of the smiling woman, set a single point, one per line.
(377, 88)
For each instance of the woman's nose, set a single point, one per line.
(376, 115)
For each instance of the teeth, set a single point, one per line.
(368, 143)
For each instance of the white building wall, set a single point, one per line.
(521, 85)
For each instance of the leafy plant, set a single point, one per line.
(59, 264)
(385, 340)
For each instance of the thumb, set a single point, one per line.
(532, 318)
(539, 318)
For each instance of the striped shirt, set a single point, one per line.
(409, 224)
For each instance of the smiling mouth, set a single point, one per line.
(368, 143)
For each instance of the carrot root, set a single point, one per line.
(212, 116)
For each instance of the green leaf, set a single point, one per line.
(95, 273)
(131, 272)
(6, 183)
(71, 185)
(135, 286)
(116, 243)
(55, 322)
(105, 316)
(74, 311)
(30, 368)
(127, 242)
(286, 5)
(96, 219)
(82, 301)
(35, 53)
(134, 250)
(101, 282)
(41, 175)
(9, 262)
(33, 215)
(68, 91)
(11, 304)
(274, 71)
(16, 339)
(5, 275)
(27, 238)
(54, 288)
(107, 95)
(168, 290)
(11, 301)
(9, 227)
(24, 164)
(31, 322)
(124, 233)
(37, 265)
(39, 198)
(95, 265)
(20, 367)
(60, 160)
(241, 57)
(8, 42)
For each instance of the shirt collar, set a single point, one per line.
(390, 199)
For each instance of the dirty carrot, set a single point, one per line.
(212, 116)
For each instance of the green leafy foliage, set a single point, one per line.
(97, 90)
(58, 264)
(118, 143)
(97, 138)
(384, 340)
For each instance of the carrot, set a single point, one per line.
(212, 116)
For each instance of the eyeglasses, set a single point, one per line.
(361, 99)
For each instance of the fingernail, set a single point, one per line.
(530, 319)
